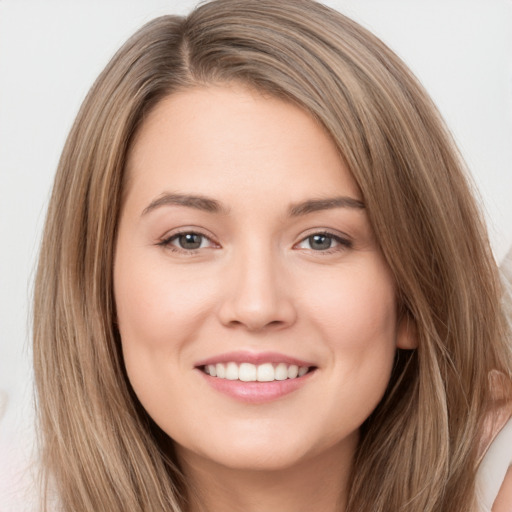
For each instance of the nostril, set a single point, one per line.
(257, 302)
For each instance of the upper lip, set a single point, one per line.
(254, 358)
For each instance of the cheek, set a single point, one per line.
(157, 306)
(356, 316)
(356, 308)
(159, 313)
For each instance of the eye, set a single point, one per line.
(320, 242)
(324, 242)
(187, 241)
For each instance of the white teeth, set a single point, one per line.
(232, 371)
(281, 371)
(265, 372)
(247, 372)
(221, 370)
(293, 371)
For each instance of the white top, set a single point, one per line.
(493, 468)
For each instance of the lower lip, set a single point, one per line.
(256, 392)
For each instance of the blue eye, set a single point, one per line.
(187, 241)
(320, 242)
(323, 242)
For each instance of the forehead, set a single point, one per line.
(230, 139)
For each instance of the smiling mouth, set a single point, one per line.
(248, 372)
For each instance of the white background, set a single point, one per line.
(50, 53)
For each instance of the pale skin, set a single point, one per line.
(503, 502)
(244, 232)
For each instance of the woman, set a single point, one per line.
(264, 283)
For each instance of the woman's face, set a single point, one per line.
(245, 258)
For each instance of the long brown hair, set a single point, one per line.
(418, 450)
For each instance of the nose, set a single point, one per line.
(258, 295)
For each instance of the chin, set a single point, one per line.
(276, 451)
(253, 458)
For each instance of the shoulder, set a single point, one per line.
(503, 502)
(494, 478)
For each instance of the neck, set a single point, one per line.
(318, 484)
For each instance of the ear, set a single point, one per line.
(406, 333)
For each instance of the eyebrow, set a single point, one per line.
(210, 205)
(199, 202)
(315, 205)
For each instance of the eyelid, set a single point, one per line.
(344, 242)
(166, 240)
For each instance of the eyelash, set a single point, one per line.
(167, 242)
(343, 243)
